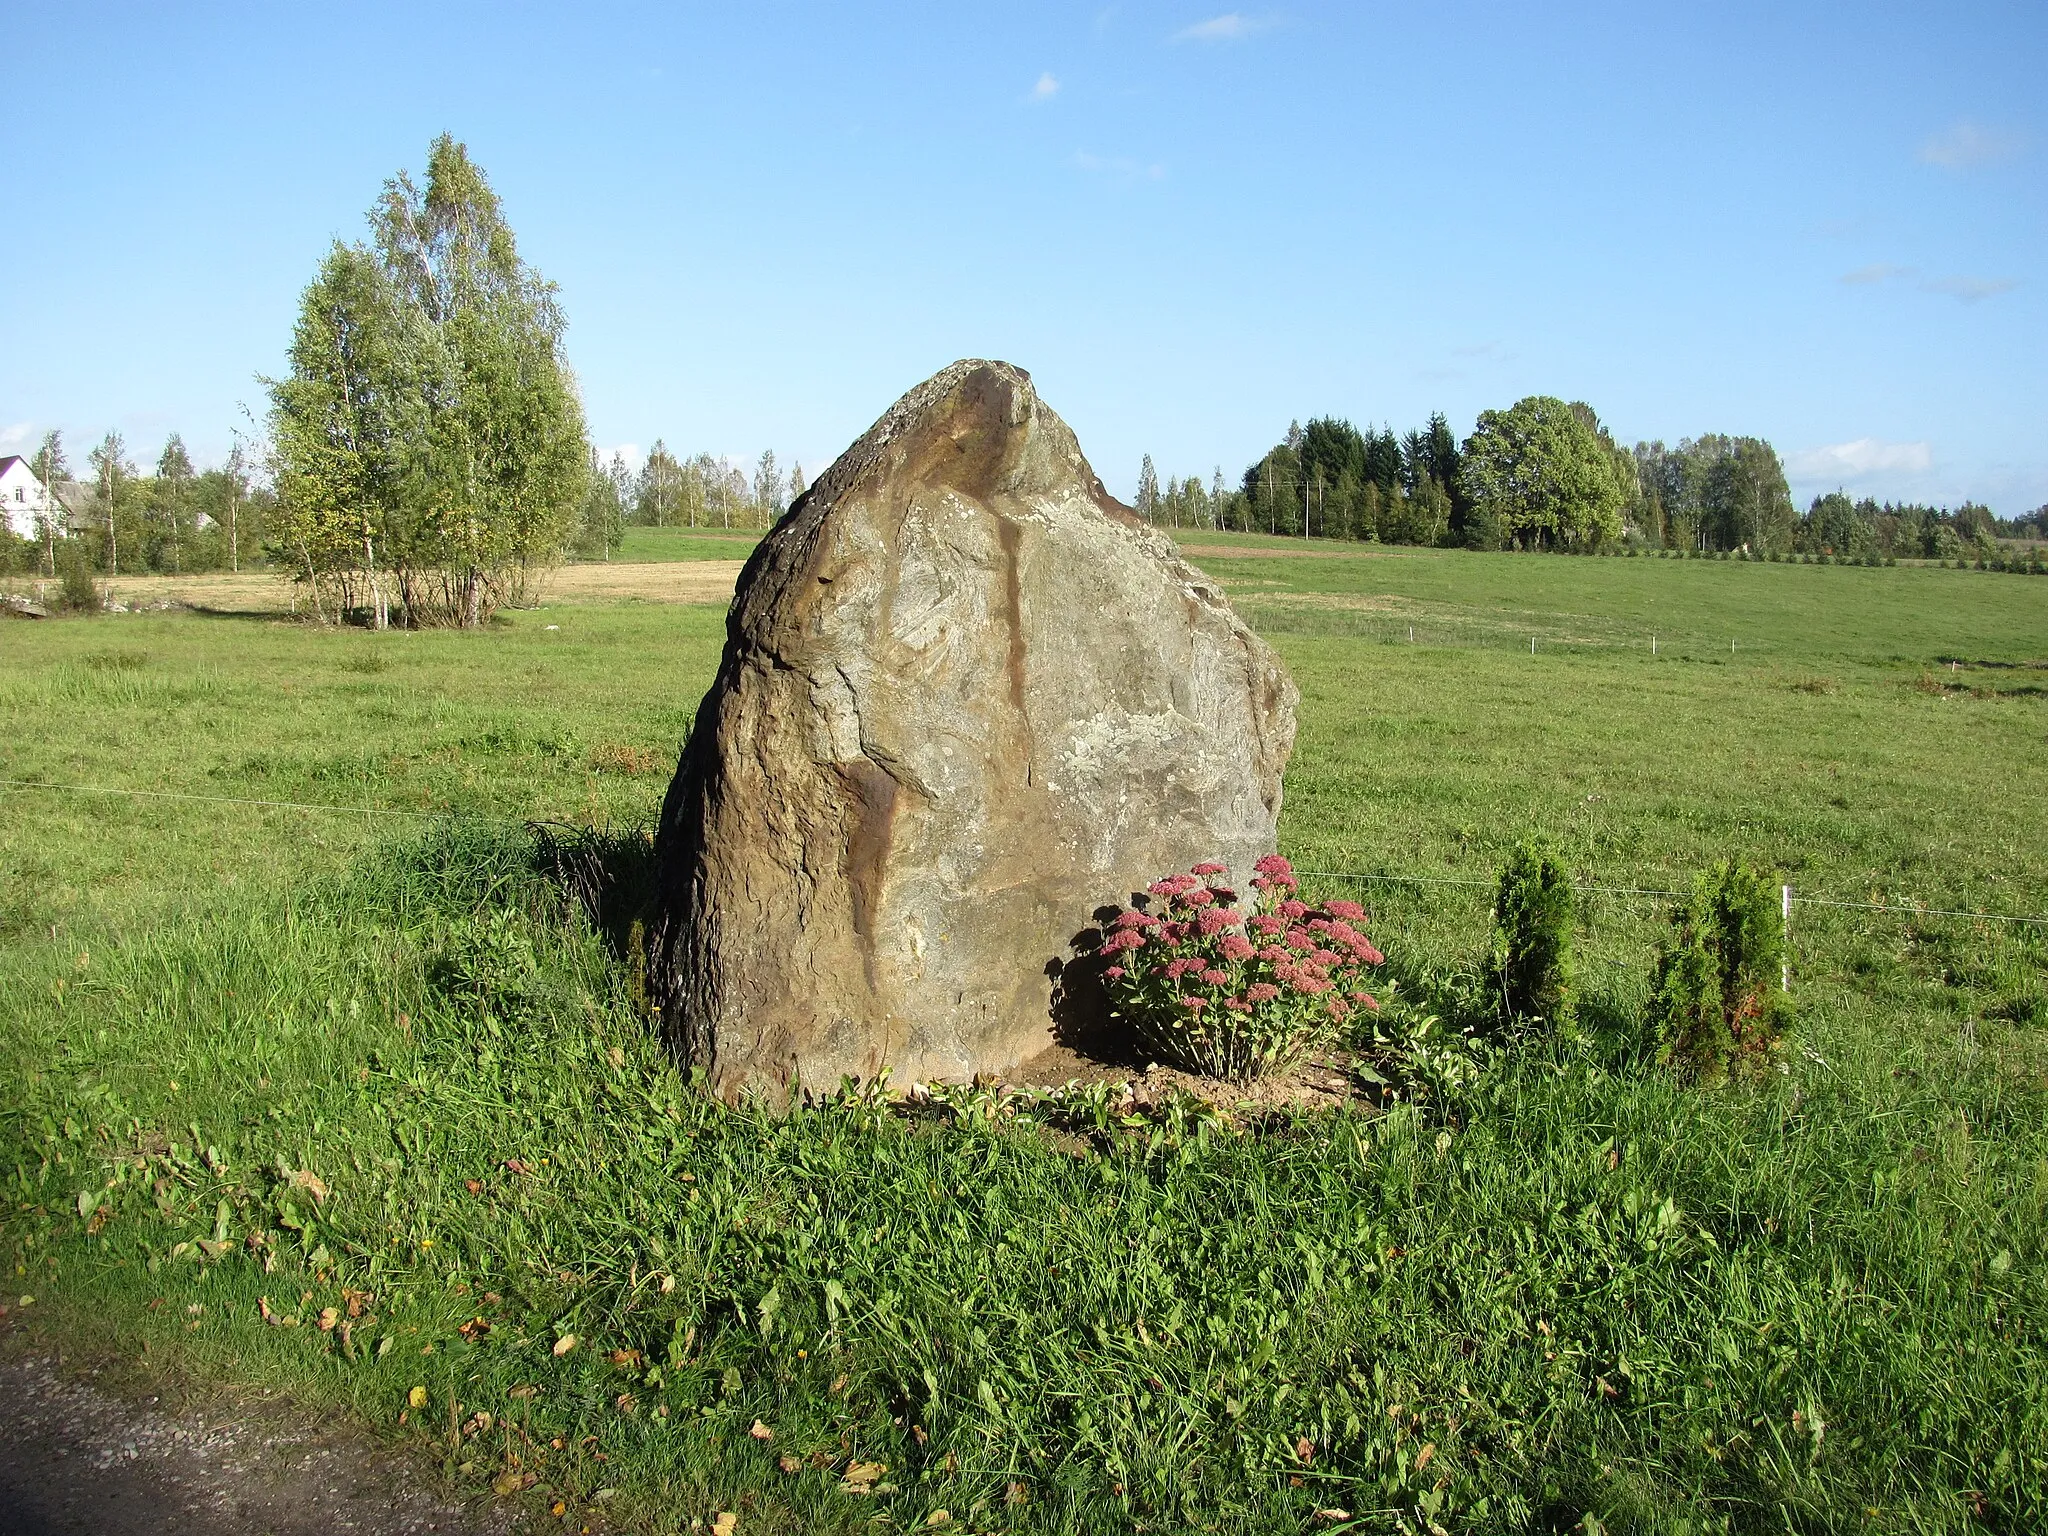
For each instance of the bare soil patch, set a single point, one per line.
(81, 1458)
(1322, 1082)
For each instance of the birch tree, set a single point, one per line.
(50, 466)
(430, 427)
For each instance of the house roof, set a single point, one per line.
(8, 461)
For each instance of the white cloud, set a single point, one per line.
(1120, 166)
(1046, 88)
(633, 453)
(14, 437)
(1862, 457)
(1971, 290)
(1227, 28)
(1962, 145)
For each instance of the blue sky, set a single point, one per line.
(1821, 225)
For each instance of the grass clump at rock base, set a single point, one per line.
(403, 1143)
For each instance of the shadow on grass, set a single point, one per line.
(608, 872)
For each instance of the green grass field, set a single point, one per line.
(259, 1058)
(687, 544)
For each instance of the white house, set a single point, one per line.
(23, 498)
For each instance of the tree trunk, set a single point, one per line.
(379, 615)
(312, 582)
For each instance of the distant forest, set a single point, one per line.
(1545, 474)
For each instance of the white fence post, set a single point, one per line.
(1785, 968)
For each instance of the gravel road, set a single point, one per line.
(76, 1458)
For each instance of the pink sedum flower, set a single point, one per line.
(1114, 973)
(1236, 947)
(1212, 869)
(1267, 926)
(1194, 1004)
(1350, 911)
(1261, 992)
(1213, 922)
(1293, 911)
(1273, 864)
(1216, 978)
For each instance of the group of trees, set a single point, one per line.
(1857, 530)
(112, 515)
(428, 449)
(1546, 474)
(699, 492)
(1538, 474)
(1712, 493)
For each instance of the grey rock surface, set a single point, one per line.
(966, 699)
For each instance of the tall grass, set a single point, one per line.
(1582, 1289)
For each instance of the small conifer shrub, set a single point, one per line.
(1716, 1007)
(1532, 951)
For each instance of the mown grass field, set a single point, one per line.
(260, 1058)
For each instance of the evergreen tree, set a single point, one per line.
(1148, 491)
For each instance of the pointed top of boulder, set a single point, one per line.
(977, 426)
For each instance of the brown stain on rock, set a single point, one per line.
(875, 794)
(1011, 537)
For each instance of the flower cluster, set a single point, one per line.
(1230, 990)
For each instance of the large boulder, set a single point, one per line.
(967, 697)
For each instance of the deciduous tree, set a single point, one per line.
(112, 470)
(50, 466)
(1542, 472)
(429, 421)
(174, 471)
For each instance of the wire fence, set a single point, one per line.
(1792, 898)
(1914, 909)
